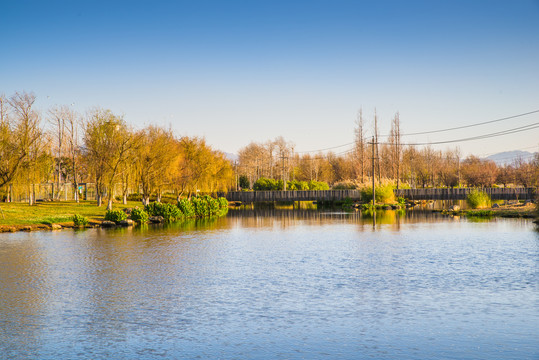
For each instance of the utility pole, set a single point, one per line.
(373, 177)
(283, 173)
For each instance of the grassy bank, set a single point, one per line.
(508, 211)
(17, 216)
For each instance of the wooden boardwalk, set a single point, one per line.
(462, 193)
(294, 195)
(355, 195)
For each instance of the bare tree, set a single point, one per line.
(395, 140)
(359, 143)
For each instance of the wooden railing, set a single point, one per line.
(294, 195)
(412, 194)
(462, 193)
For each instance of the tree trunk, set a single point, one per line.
(109, 203)
(99, 198)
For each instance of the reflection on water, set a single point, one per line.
(274, 283)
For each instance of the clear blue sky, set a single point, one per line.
(236, 71)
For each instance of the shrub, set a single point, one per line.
(169, 212)
(318, 185)
(187, 208)
(344, 185)
(115, 215)
(297, 185)
(244, 182)
(347, 204)
(384, 193)
(478, 199)
(268, 184)
(213, 205)
(139, 215)
(223, 203)
(201, 207)
(80, 220)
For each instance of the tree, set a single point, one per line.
(19, 132)
(479, 172)
(360, 147)
(396, 148)
(156, 154)
(107, 141)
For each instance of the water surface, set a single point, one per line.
(275, 285)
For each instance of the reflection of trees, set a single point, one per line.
(269, 216)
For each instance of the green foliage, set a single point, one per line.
(80, 220)
(268, 184)
(318, 185)
(478, 199)
(223, 203)
(401, 201)
(115, 215)
(187, 208)
(384, 193)
(201, 207)
(169, 212)
(297, 185)
(480, 213)
(139, 215)
(347, 204)
(244, 182)
(345, 185)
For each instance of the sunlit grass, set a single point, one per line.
(53, 212)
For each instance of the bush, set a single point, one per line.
(244, 182)
(344, 185)
(80, 220)
(318, 185)
(268, 184)
(169, 212)
(478, 200)
(384, 193)
(297, 185)
(115, 215)
(139, 215)
(213, 205)
(187, 208)
(201, 207)
(223, 203)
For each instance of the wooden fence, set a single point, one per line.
(462, 193)
(411, 194)
(294, 195)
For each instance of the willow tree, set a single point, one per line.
(107, 141)
(156, 156)
(19, 132)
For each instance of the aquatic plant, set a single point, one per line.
(478, 199)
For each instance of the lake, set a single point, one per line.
(275, 284)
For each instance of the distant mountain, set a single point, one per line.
(231, 157)
(508, 157)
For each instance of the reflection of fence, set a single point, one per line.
(462, 193)
(294, 195)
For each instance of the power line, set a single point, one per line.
(479, 137)
(432, 131)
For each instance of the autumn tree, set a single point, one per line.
(19, 132)
(477, 172)
(107, 140)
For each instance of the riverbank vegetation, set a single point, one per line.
(61, 155)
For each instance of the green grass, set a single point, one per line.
(54, 212)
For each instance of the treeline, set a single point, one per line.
(401, 164)
(100, 147)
